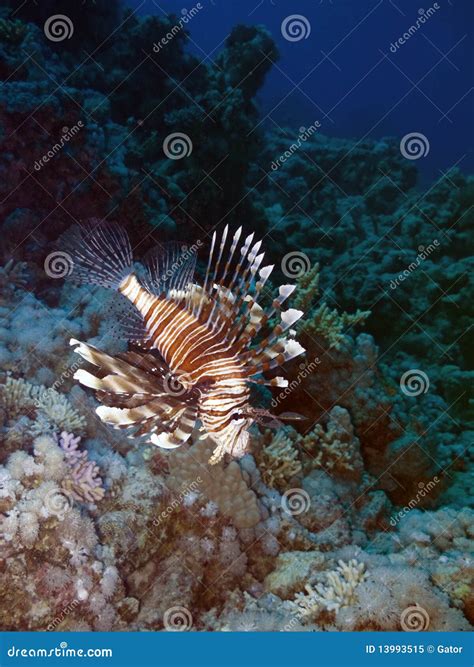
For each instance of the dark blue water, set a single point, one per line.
(345, 75)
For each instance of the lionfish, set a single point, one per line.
(193, 358)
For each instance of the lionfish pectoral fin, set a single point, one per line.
(114, 416)
(164, 440)
(122, 376)
(134, 394)
(181, 429)
(126, 321)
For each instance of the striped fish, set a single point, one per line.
(194, 356)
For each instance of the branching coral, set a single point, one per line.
(335, 449)
(331, 325)
(279, 461)
(52, 410)
(337, 591)
(321, 321)
(83, 481)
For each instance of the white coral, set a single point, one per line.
(338, 590)
(109, 581)
(53, 410)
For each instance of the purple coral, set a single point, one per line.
(83, 481)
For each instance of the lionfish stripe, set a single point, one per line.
(189, 333)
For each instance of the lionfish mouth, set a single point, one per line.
(195, 347)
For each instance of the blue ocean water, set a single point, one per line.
(345, 75)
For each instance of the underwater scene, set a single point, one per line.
(236, 299)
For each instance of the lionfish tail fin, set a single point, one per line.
(99, 253)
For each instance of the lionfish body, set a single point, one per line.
(196, 358)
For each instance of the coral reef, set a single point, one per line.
(111, 534)
(30, 410)
(357, 516)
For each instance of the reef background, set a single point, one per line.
(359, 519)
